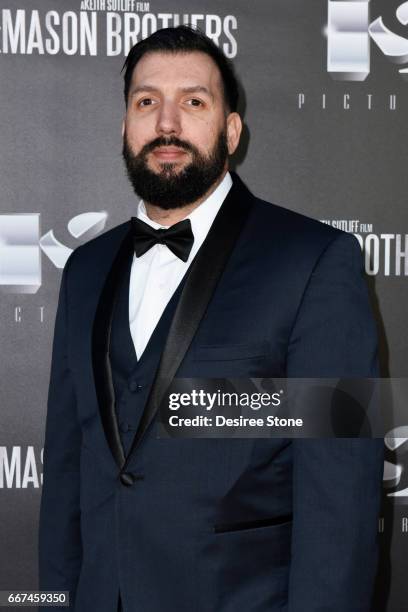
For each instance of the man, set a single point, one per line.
(206, 281)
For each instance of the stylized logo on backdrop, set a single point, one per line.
(109, 27)
(396, 465)
(21, 467)
(21, 246)
(385, 254)
(349, 31)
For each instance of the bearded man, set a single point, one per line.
(204, 281)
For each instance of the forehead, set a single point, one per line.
(166, 69)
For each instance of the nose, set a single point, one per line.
(168, 119)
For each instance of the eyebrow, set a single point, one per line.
(192, 89)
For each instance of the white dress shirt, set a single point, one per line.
(155, 275)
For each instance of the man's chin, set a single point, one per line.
(167, 168)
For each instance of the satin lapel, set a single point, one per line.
(101, 333)
(203, 275)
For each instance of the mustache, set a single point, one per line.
(171, 141)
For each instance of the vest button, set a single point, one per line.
(134, 386)
(124, 427)
(127, 479)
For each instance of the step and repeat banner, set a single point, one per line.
(324, 100)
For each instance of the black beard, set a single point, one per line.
(170, 188)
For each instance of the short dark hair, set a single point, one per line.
(184, 39)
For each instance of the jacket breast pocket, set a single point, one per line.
(254, 524)
(231, 352)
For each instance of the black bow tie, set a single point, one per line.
(179, 238)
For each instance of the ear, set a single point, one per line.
(123, 127)
(234, 129)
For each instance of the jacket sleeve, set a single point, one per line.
(336, 481)
(60, 550)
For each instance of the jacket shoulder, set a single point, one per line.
(272, 222)
(99, 249)
(293, 221)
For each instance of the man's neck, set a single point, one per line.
(170, 217)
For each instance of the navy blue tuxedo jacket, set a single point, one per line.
(271, 293)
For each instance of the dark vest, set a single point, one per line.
(132, 379)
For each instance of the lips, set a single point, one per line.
(168, 152)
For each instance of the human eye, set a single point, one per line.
(145, 102)
(195, 102)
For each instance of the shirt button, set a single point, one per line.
(134, 386)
